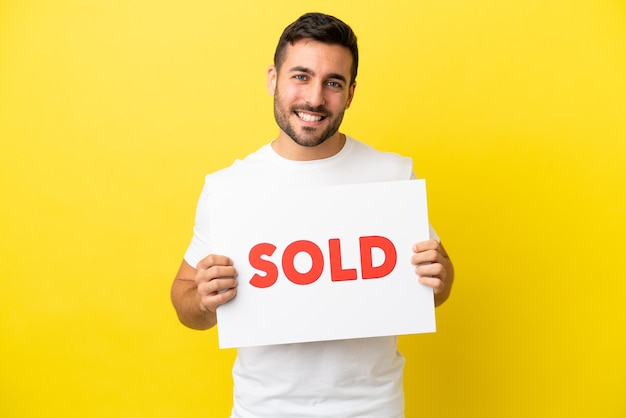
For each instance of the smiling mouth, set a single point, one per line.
(307, 117)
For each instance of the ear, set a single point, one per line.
(272, 75)
(350, 94)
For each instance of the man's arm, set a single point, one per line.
(434, 268)
(196, 293)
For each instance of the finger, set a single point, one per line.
(426, 252)
(214, 260)
(433, 282)
(216, 286)
(426, 256)
(431, 270)
(211, 302)
(430, 244)
(215, 272)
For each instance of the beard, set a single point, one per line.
(306, 136)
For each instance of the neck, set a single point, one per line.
(287, 148)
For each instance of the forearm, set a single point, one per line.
(186, 300)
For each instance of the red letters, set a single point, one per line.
(337, 272)
(367, 269)
(270, 269)
(317, 259)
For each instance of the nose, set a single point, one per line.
(314, 95)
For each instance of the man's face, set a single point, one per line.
(311, 91)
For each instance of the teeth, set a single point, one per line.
(309, 118)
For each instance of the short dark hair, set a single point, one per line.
(322, 28)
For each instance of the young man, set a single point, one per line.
(313, 80)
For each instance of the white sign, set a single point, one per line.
(323, 263)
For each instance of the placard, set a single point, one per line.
(323, 263)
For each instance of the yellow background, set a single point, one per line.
(111, 113)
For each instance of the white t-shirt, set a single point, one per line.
(346, 378)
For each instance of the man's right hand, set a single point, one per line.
(197, 292)
(216, 281)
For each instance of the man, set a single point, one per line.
(313, 80)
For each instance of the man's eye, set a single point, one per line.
(334, 84)
(300, 77)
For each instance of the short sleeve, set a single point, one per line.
(200, 245)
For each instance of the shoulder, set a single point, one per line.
(240, 171)
(367, 151)
(394, 164)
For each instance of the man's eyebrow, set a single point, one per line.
(337, 76)
(300, 69)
